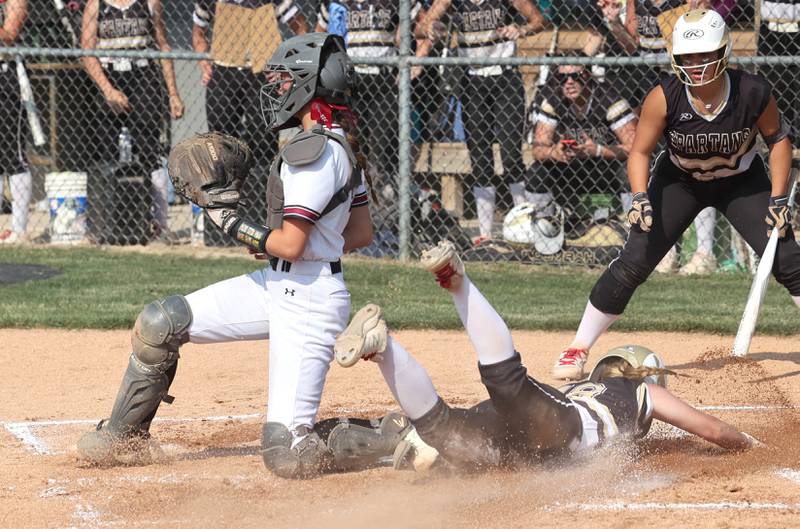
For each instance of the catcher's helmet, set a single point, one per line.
(636, 356)
(302, 68)
(700, 31)
(540, 225)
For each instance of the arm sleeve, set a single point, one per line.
(360, 197)
(285, 10)
(203, 13)
(619, 113)
(547, 113)
(323, 17)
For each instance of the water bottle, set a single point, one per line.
(198, 225)
(125, 146)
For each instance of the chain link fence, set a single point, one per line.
(503, 126)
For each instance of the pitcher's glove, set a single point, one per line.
(209, 169)
(641, 212)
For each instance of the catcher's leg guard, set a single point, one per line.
(357, 447)
(308, 458)
(161, 328)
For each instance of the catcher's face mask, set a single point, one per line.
(275, 92)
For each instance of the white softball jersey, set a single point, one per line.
(300, 306)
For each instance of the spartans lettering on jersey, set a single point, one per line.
(484, 20)
(380, 18)
(704, 143)
(123, 27)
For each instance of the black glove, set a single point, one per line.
(641, 212)
(778, 215)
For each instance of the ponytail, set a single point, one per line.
(618, 367)
(347, 120)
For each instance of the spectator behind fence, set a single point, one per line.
(607, 34)
(136, 94)
(494, 96)
(583, 132)
(370, 29)
(650, 22)
(779, 34)
(12, 157)
(243, 37)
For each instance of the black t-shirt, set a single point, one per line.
(718, 146)
(606, 111)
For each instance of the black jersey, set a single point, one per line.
(371, 26)
(718, 146)
(606, 111)
(650, 38)
(615, 407)
(130, 28)
(478, 22)
(204, 9)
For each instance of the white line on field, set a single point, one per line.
(653, 506)
(23, 430)
(790, 474)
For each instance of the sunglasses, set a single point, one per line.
(578, 77)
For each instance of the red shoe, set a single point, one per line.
(569, 365)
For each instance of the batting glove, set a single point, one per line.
(641, 212)
(778, 215)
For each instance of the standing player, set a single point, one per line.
(494, 96)
(711, 117)
(371, 28)
(317, 211)
(524, 421)
(135, 93)
(12, 158)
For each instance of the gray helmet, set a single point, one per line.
(636, 356)
(316, 65)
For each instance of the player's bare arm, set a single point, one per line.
(16, 13)
(651, 127)
(359, 231)
(116, 99)
(672, 410)
(176, 106)
(426, 28)
(289, 241)
(780, 152)
(298, 24)
(534, 21)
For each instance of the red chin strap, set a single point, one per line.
(322, 112)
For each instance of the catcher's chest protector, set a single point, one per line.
(304, 149)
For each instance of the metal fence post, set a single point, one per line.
(404, 140)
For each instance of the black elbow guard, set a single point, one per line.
(784, 132)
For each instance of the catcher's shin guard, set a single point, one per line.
(308, 458)
(357, 447)
(161, 328)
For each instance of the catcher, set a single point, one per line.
(524, 421)
(317, 210)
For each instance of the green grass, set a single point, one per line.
(106, 289)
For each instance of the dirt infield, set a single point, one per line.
(57, 384)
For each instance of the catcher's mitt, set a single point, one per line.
(209, 169)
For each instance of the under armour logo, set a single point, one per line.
(289, 292)
(686, 117)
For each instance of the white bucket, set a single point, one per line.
(66, 194)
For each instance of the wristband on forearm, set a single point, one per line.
(246, 232)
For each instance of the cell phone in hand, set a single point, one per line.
(568, 144)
